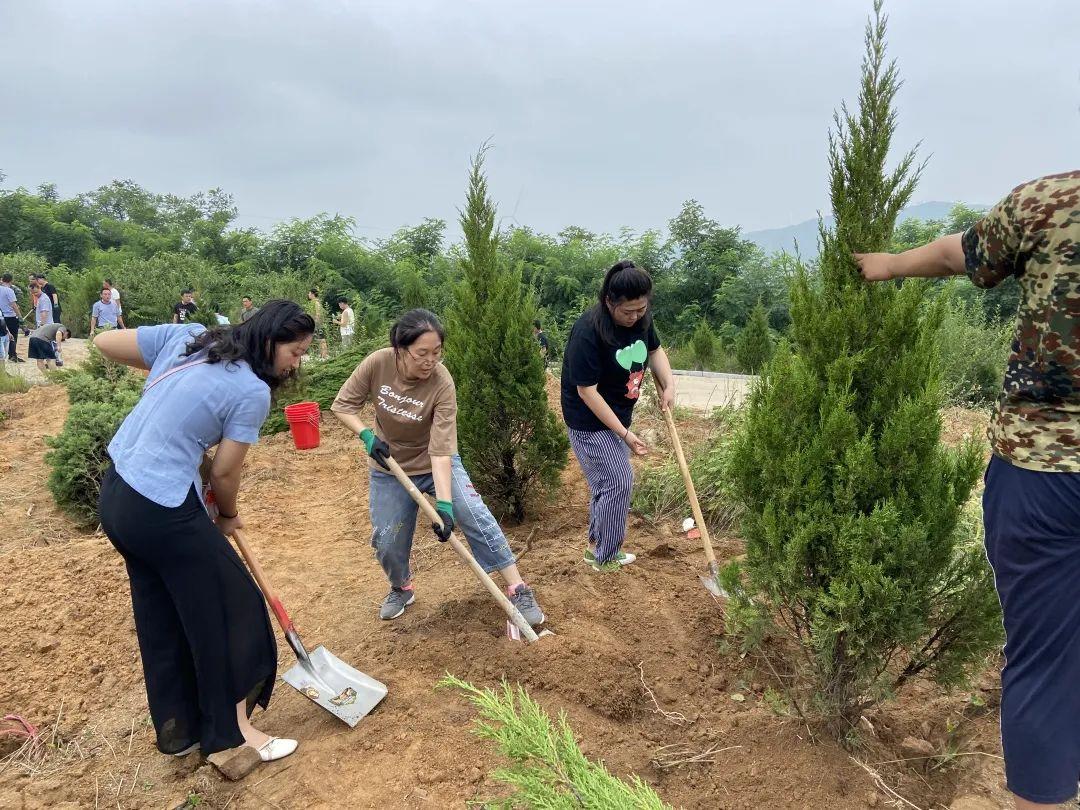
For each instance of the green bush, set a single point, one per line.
(79, 455)
(705, 346)
(858, 555)
(101, 394)
(974, 351)
(547, 768)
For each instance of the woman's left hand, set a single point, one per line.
(228, 526)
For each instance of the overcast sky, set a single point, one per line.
(602, 114)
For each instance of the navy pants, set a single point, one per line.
(1033, 543)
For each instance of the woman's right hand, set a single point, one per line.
(376, 447)
(635, 444)
(228, 526)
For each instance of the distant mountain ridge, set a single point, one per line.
(806, 233)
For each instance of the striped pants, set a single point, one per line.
(605, 460)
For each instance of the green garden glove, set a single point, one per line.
(446, 512)
(376, 447)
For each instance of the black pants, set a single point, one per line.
(13, 327)
(204, 634)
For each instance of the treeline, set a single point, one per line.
(709, 279)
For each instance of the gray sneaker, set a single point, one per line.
(524, 599)
(395, 602)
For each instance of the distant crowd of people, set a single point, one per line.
(49, 332)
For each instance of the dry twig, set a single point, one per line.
(665, 757)
(880, 784)
(676, 718)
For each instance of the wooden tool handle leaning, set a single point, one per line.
(485, 579)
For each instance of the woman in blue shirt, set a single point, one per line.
(207, 647)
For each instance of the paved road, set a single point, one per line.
(703, 393)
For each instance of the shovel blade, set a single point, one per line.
(345, 692)
(514, 634)
(711, 581)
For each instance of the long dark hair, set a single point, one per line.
(255, 341)
(623, 281)
(414, 323)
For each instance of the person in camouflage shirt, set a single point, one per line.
(1031, 504)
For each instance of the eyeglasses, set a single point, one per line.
(435, 357)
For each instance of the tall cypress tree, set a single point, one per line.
(510, 440)
(856, 547)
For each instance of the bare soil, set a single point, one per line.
(69, 662)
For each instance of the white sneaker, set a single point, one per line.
(614, 564)
(276, 748)
(191, 749)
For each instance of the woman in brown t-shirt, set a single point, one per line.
(416, 423)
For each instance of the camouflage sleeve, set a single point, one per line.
(992, 250)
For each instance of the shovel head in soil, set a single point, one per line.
(711, 580)
(514, 634)
(345, 692)
(320, 676)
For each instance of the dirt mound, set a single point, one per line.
(639, 664)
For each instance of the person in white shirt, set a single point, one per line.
(346, 322)
(115, 295)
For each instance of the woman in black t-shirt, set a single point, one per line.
(604, 365)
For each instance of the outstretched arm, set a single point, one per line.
(942, 257)
(121, 346)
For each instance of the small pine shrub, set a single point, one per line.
(79, 455)
(547, 768)
(754, 344)
(101, 394)
(705, 346)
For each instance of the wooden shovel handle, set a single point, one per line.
(691, 493)
(264, 584)
(485, 579)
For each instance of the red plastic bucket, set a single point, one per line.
(303, 419)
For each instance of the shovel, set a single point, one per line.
(710, 579)
(518, 621)
(320, 676)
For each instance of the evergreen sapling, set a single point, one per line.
(509, 438)
(856, 547)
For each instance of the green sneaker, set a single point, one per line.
(620, 559)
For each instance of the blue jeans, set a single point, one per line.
(393, 521)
